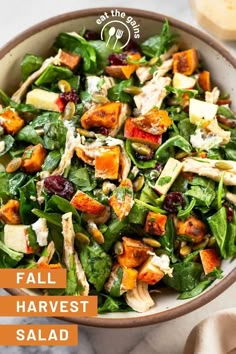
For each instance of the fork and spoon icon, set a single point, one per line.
(118, 35)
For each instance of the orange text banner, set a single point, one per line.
(48, 306)
(49, 335)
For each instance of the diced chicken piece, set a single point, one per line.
(49, 254)
(20, 93)
(214, 128)
(16, 238)
(41, 230)
(139, 298)
(213, 96)
(201, 112)
(9, 212)
(69, 251)
(163, 68)
(207, 168)
(2, 146)
(99, 85)
(144, 73)
(70, 60)
(183, 82)
(152, 95)
(205, 141)
(71, 144)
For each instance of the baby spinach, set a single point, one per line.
(167, 240)
(54, 135)
(203, 196)
(116, 92)
(113, 305)
(29, 64)
(113, 232)
(186, 276)
(9, 141)
(53, 73)
(57, 203)
(29, 135)
(28, 201)
(96, 264)
(137, 214)
(16, 181)
(19, 107)
(4, 183)
(156, 45)
(177, 141)
(82, 178)
(226, 112)
(197, 290)
(44, 118)
(186, 129)
(52, 160)
(8, 257)
(102, 51)
(140, 164)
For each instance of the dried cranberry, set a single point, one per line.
(132, 46)
(229, 213)
(91, 35)
(172, 201)
(118, 59)
(101, 130)
(69, 96)
(60, 186)
(145, 157)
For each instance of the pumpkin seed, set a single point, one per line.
(64, 86)
(142, 149)
(223, 165)
(138, 183)
(211, 241)
(95, 232)
(201, 244)
(118, 248)
(108, 187)
(185, 251)
(14, 165)
(69, 111)
(86, 133)
(82, 238)
(100, 99)
(151, 242)
(132, 90)
(153, 61)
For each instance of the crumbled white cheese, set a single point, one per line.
(2, 146)
(41, 230)
(203, 141)
(213, 96)
(162, 262)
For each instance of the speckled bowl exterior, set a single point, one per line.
(222, 65)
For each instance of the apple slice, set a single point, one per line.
(46, 100)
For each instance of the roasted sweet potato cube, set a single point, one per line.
(33, 158)
(185, 62)
(70, 60)
(87, 204)
(204, 80)
(44, 265)
(154, 122)
(134, 133)
(11, 122)
(192, 227)
(107, 162)
(129, 279)
(155, 223)
(9, 213)
(121, 200)
(105, 115)
(210, 260)
(134, 253)
(149, 273)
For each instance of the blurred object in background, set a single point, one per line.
(216, 16)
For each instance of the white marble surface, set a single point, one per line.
(17, 16)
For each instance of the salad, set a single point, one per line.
(120, 166)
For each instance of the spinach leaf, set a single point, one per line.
(186, 129)
(57, 203)
(203, 196)
(113, 305)
(29, 135)
(197, 290)
(72, 285)
(52, 160)
(102, 51)
(29, 64)
(44, 118)
(16, 181)
(76, 44)
(186, 276)
(113, 233)
(54, 135)
(185, 213)
(32, 239)
(218, 226)
(9, 141)
(28, 202)
(167, 240)
(82, 178)
(140, 164)
(19, 107)
(231, 238)
(226, 112)
(52, 218)
(4, 183)
(230, 150)
(8, 257)
(156, 45)
(116, 92)
(53, 74)
(137, 214)
(96, 264)
(177, 141)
